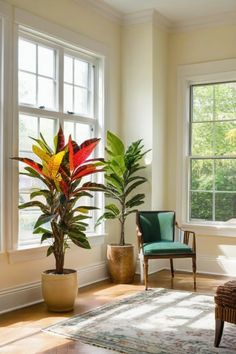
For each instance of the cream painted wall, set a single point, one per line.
(159, 133)
(144, 73)
(214, 253)
(80, 19)
(137, 100)
(137, 83)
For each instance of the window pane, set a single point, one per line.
(69, 129)
(46, 62)
(225, 175)
(225, 206)
(201, 174)
(202, 103)
(224, 144)
(225, 101)
(28, 127)
(27, 184)
(78, 131)
(27, 221)
(68, 98)
(81, 100)
(202, 139)
(47, 129)
(27, 88)
(201, 205)
(81, 73)
(27, 56)
(68, 69)
(83, 132)
(46, 92)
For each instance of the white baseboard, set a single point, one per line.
(30, 294)
(154, 265)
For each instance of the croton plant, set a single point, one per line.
(62, 172)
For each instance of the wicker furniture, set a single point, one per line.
(156, 240)
(225, 309)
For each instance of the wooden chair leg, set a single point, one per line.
(172, 268)
(219, 326)
(146, 273)
(194, 272)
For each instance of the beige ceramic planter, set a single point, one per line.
(121, 263)
(59, 290)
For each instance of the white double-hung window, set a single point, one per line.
(58, 84)
(212, 192)
(207, 147)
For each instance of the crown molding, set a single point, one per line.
(146, 16)
(153, 16)
(223, 19)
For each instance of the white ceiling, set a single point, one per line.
(176, 10)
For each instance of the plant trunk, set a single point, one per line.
(59, 262)
(58, 249)
(122, 221)
(122, 236)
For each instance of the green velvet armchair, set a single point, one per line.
(156, 240)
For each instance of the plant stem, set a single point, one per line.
(122, 221)
(58, 248)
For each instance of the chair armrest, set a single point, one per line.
(140, 239)
(187, 234)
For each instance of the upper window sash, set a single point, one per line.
(64, 94)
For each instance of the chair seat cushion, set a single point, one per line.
(162, 247)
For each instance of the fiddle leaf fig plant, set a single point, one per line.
(122, 178)
(62, 171)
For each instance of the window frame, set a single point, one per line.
(6, 77)
(211, 157)
(188, 75)
(97, 121)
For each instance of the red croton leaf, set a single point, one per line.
(36, 166)
(64, 187)
(85, 150)
(60, 140)
(85, 170)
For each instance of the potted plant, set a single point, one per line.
(62, 171)
(121, 176)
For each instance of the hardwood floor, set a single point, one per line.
(20, 330)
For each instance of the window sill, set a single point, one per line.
(219, 229)
(33, 252)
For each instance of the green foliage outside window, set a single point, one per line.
(213, 152)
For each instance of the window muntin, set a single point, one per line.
(37, 74)
(78, 86)
(37, 113)
(212, 192)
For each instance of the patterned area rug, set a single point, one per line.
(156, 321)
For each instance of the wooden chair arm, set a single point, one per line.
(187, 234)
(140, 239)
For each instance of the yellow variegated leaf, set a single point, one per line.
(40, 153)
(46, 170)
(54, 163)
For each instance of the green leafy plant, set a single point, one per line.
(121, 168)
(62, 172)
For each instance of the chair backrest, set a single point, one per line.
(156, 225)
